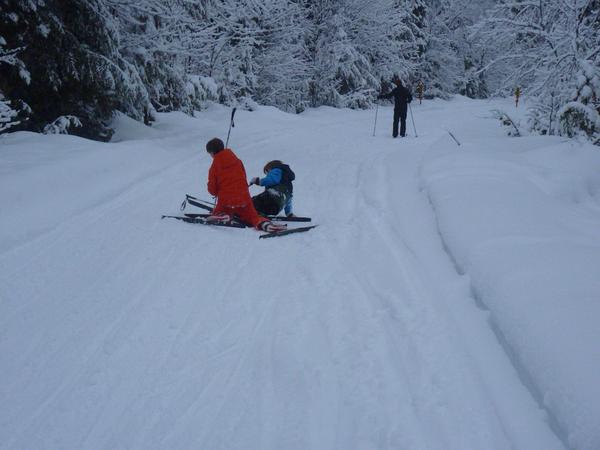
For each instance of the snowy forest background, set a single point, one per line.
(70, 65)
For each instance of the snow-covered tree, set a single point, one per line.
(156, 38)
(450, 59)
(460, 15)
(78, 61)
(552, 49)
(340, 75)
(279, 54)
(439, 65)
(71, 65)
(12, 112)
(252, 49)
(353, 45)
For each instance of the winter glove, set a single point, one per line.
(255, 181)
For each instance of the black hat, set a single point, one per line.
(214, 146)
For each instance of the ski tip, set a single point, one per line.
(286, 232)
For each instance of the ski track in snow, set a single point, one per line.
(119, 330)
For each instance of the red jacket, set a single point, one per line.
(227, 180)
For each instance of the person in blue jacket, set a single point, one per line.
(279, 191)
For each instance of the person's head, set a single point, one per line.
(271, 164)
(214, 146)
(397, 81)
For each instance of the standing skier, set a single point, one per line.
(227, 181)
(402, 97)
(278, 192)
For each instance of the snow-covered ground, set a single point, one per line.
(448, 299)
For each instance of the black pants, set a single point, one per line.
(267, 204)
(399, 115)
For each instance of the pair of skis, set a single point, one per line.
(208, 219)
(208, 206)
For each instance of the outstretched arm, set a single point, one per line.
(273, 178)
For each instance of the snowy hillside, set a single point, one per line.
(448, 299)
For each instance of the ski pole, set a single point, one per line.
(455, 140)
(231, 125)
(376, 110)
(413, 120)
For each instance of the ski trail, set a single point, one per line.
(410, 332)
(120, 330)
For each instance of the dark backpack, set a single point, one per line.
(287, 176)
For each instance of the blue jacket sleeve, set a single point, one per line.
(273, 178)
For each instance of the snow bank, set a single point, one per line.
(127, 129)
(524, 224)
(47, 179)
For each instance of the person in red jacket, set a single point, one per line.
(227, 182)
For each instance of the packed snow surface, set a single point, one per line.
(449, 298)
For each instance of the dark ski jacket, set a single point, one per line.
(402, 97)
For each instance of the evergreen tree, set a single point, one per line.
(69, 51)
(440, 65)
(340, 73)
(409, 38)
(12, 112)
